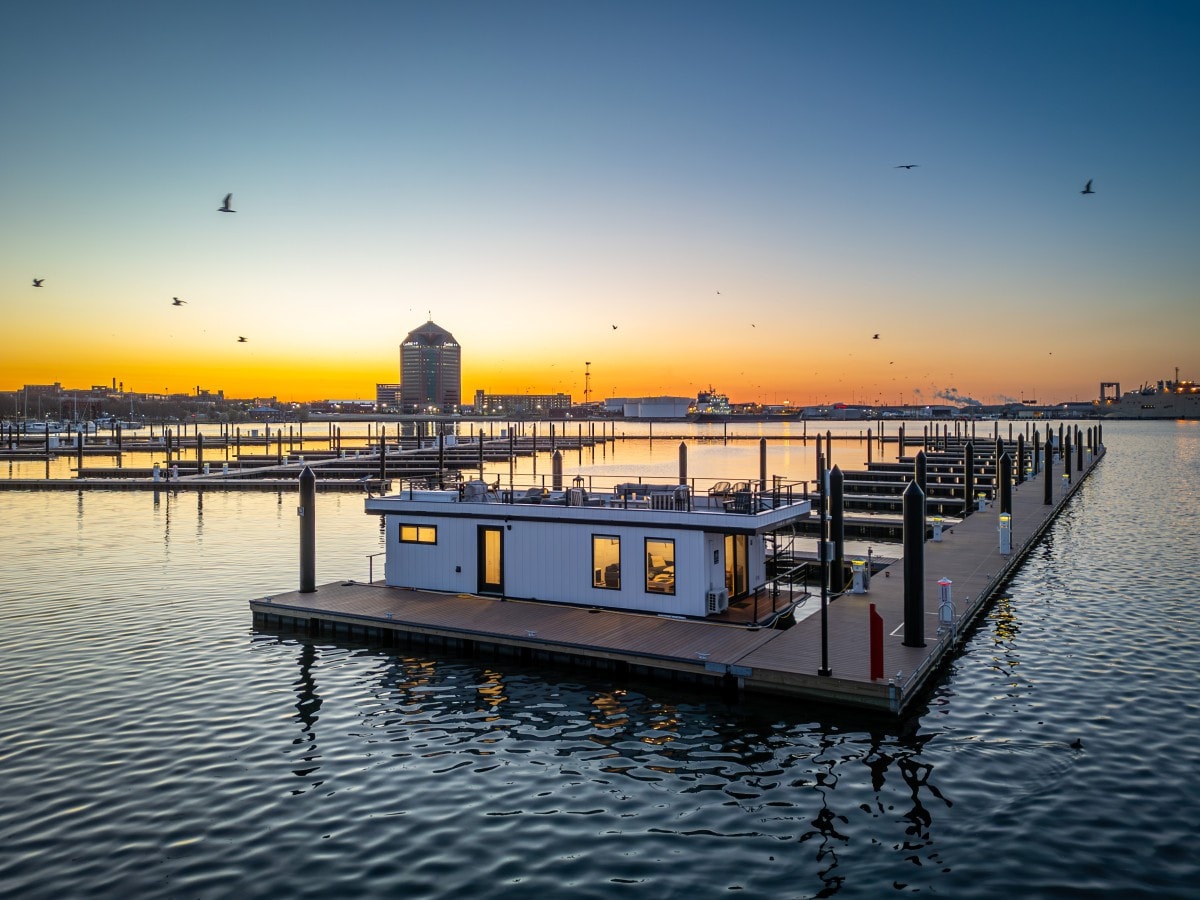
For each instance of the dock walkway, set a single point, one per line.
(753, 659)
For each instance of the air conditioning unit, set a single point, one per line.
(718, 601)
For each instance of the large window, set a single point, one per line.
(660, 566)
(606, 561)
(418, 534)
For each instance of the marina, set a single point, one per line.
(866, 648)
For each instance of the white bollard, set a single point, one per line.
(224, 468)
(981, 502)
(945, 604)
(156, 471)
(206, 468)
(1005, 534)
(857, 568)
(174, 472)
(937, 528)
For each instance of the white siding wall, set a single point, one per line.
(553, 562)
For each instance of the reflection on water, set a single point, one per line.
(155, 744)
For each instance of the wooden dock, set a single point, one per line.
(719, 654)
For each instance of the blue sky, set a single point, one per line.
(532, 173)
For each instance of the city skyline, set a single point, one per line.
(681, 195)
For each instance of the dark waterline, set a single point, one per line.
(155, 744)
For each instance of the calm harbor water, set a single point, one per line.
(154, 744)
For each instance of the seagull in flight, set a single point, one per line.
(241, 340)
(875, 337)
(37, 282)
(908, 166)
(225, 207)
(1087, 188)
(175, 301)
(614, 328)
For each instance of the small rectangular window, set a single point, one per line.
(418, 534)
(660, 566)
(606, 561)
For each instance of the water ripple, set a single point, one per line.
(153, 744)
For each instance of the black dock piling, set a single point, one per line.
(441, 438)
(383, 459)
(823, 555)
(1020, 473)
(308, 531)
(837, 529)
(968, 478)
(921, 476)
(1047, 477)
(683, 463)
(1004, 481)
(914, 566)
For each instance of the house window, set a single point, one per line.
(418, 534)
(660, 566)
(606, 561)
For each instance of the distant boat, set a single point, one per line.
(1165, 400)
(40, 426)
(710, 406)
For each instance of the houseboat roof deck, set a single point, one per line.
(743, 501)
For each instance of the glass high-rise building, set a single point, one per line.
(430, 370)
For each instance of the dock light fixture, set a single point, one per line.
(1005, 534)
(938, 521)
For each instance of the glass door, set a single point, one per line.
(491, 559)
(736, 580)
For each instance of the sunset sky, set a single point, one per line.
(716, 179)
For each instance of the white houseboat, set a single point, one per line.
(654, 548)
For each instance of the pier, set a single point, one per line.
(851, 651)
(263, 461)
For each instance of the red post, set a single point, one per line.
(876, 644)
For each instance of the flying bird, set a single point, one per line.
(175, 301)
(241, 340)
(1087, 188)
(614, 328)
(875, 337)
(909, 166)
(37, 282)
(225, 207)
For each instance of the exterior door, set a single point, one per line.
(736, 579)
(491, 559)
